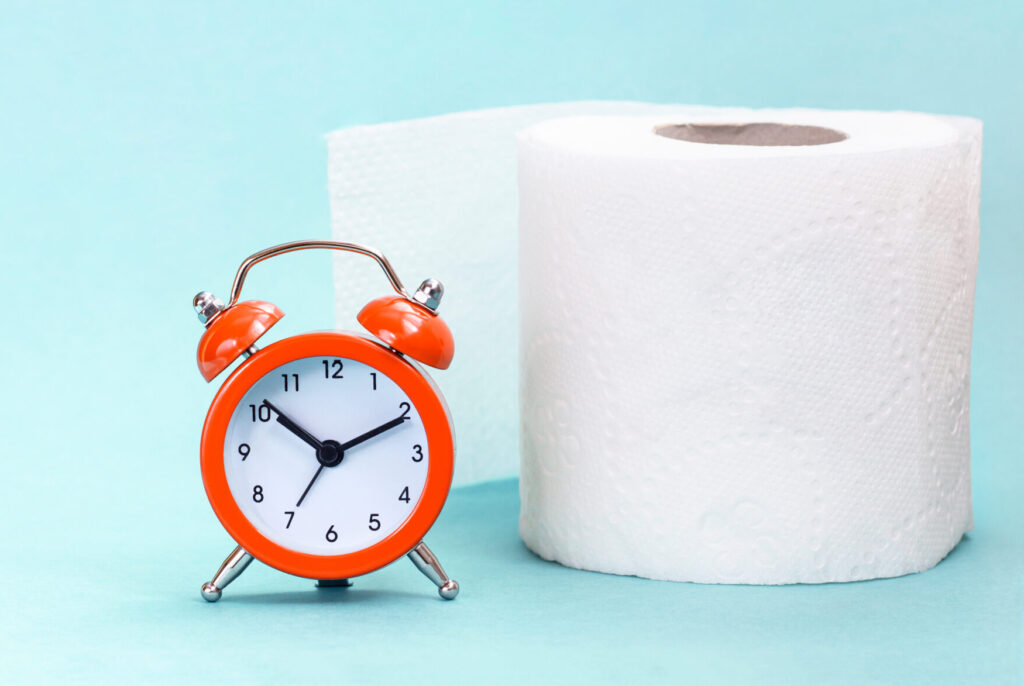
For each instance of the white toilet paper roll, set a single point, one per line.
(746, 362)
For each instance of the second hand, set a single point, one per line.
(311, 482)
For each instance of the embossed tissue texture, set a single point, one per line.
(438, 197)
(747, 366)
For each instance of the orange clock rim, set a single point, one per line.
(440, 461)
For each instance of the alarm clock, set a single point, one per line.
(327, 455)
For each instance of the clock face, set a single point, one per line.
(326, 455)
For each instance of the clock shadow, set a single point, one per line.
(324, 596)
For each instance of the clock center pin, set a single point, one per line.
(330, 454)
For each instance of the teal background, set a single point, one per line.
(145, 148)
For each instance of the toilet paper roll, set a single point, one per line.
(745, 342)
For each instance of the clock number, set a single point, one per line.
(295, 377)
(374, 522)
(258, 413)
(243, 450)
(404, 497)
(336, 365)
(418, 457)
(405, 410)
(331, 535)
(257, 493)
(373, 375)
(291, 516)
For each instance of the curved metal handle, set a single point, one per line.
(256, 258)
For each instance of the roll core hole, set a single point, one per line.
(760, 133)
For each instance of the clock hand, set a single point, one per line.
(387, 426)
(287, 423)
(311, 482)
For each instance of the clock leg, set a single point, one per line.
(333, 583)
(234, 565)
(427, 563)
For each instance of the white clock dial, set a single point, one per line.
(301, 496)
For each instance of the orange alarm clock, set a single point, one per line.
(327, 455)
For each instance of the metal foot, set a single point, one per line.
(333, 583)
(234, 565)
(427, 563)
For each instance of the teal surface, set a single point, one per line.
(138, 618)
(146, 147)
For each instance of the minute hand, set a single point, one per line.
(371, 433)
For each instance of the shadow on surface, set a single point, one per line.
(324, 596)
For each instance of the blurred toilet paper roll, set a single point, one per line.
(745, 342)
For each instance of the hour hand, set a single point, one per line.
(287, 423)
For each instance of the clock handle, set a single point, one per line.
(256, 258)
(406, 323)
